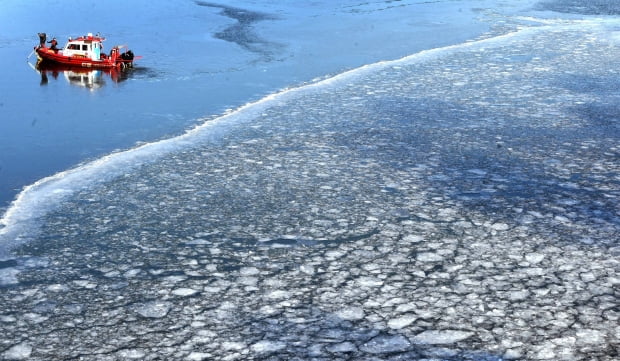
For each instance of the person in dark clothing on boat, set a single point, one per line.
(54, 43)
(42, 38)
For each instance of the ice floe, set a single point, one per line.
(441, 337)
(20, 351)
(154, 309)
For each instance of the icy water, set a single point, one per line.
(460, 203)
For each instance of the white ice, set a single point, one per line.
(351, 313)
(154, 309)
(8, 276)
(385, 344)
(20, 351)
(441, 337)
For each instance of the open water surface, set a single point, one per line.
(457, 203)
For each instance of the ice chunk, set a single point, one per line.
(534, 257)
(369, 282)
(198, 242)
(342, 347)
(249, 271)
(546, 351)
(73, 308)
(518, 295)
(429, 257)
(500, 226)
(279, 294)
(351, 313)
(199, 356)
(175, 278)
(7, 318)
(84, 284)
(587, 276)
(386, 343)
(267, 346)
(333, 254)
(154, 309)
(590, 337)
(184, 292)
(248, 281)
(232, 345)
(20, 351)
(8, 276)
(441, 337)
(402, 321)
(35, 262)
(513, 354)
(412, 238)
(269, 310)
(133, 354)
(405, 307)
(35, 317)
(307, 269)
(478, 172)
(132, 273)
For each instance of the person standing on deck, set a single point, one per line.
(54, 43)
(42, 38)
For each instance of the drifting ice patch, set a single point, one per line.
(154, 309)
(132, 354)
(342, 347)
(249, 271)
(307, 269)
(412, 238)
(351, 313)
(590, 337)
(429, 257)
(21, 351)
(441, 337)
(386, 343)
(267, 346)
(184, 292)
(8, 276)
(400, 322)
(534, 257)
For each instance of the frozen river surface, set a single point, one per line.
(458, 204)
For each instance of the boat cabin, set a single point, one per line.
(88, 46)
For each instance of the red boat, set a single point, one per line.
(85, 51)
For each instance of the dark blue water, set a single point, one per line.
(457, 203)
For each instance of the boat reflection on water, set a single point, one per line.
(89, 78)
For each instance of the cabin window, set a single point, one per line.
(74, 47)
(84, 47)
